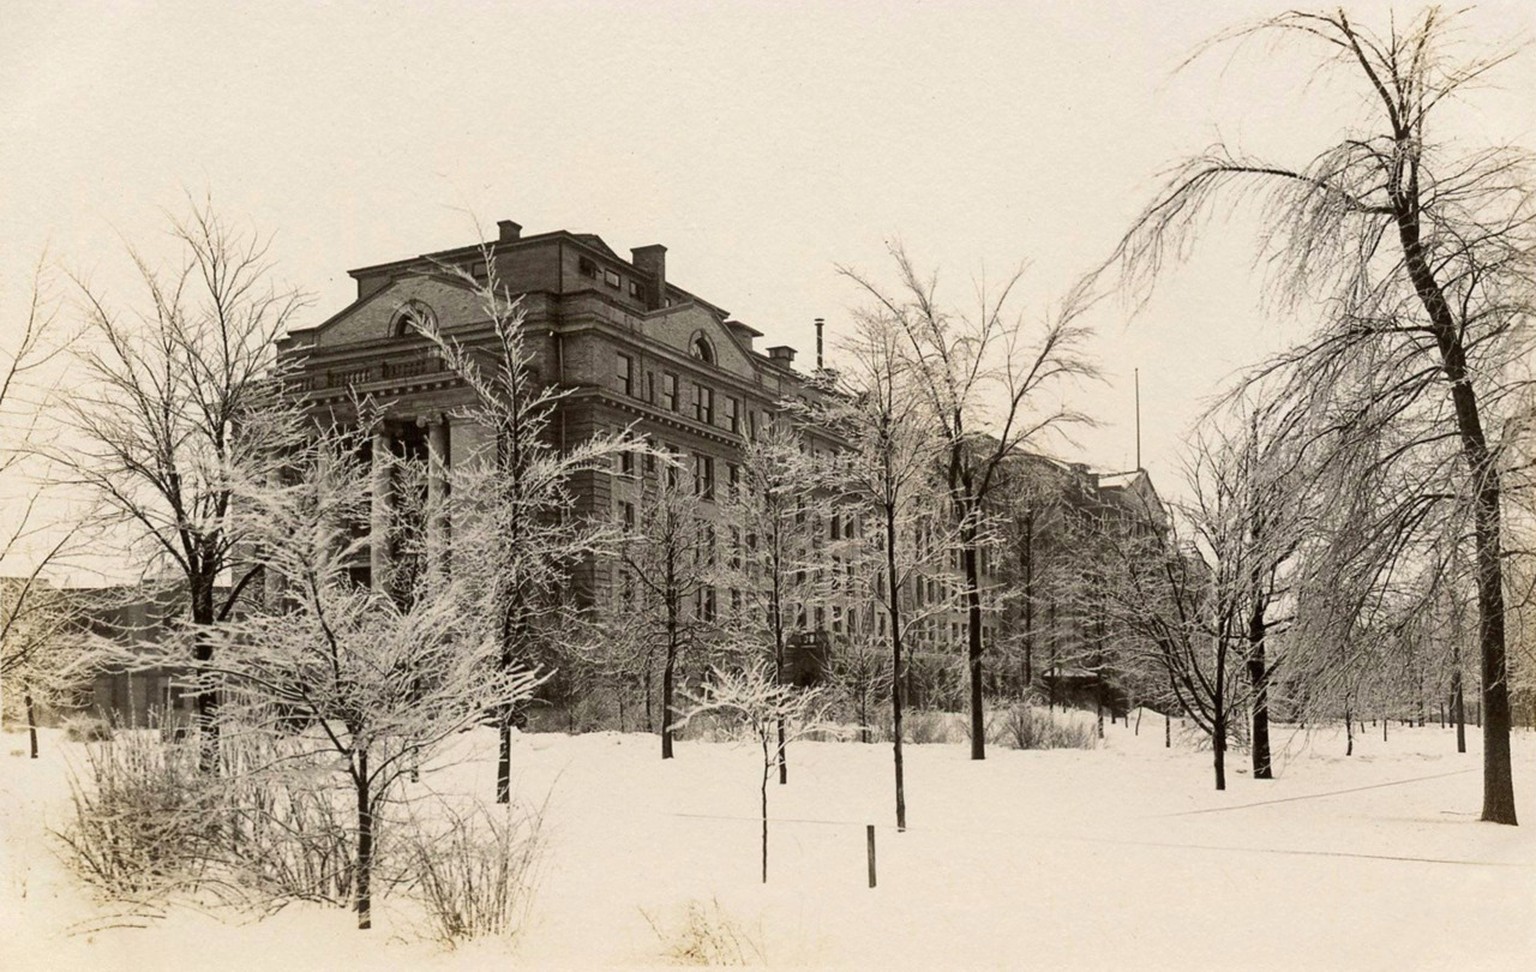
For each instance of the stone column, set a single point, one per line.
(438, 460)
(379, 511)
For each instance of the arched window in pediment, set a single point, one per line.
(412, 315)
(700, 348)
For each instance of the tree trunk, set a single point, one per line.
(504, 760)
(650, 721)
(777, 619)
(1459, 711)
(1219, 745)
(31, 722)
(1498, 779)
(207, 701)
(1349, 730)
(973, 636)
(1098, 692)
(364, 844)
(1027, 554)
(1219, 718)
(667, 675)
(783, 764)
(893, 606)
(763, 793)
(1258, 679)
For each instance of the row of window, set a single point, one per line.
(662, 389)
(588, 267)
(703, 469)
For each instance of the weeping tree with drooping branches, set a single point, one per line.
(1415, 251)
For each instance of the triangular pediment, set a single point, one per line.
(450, 300)
(680, 326)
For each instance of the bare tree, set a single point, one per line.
(886, 473)
(986, 390)
(1421, 257)
(667, 593)
(34, 658)
(180, 408)
(512, 506)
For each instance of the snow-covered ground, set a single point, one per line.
(1122, 857)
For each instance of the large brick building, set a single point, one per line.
(629, 347)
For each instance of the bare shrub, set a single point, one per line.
(929, 726)
(288, 831)
(475, 873)
(143, 816)
(707, 935)
(87, 729)
(1027, 727)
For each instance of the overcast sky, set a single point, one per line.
(761, 143)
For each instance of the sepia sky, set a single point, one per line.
(762, 143)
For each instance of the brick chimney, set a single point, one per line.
(783, 355)
(507, 231)
(652, 261)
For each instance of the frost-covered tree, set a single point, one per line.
(760, 708)
(376, 684)
(44, 653)
(775, 556)
(1419, 255)
(512, 505)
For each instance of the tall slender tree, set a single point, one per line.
(511, 505)
(667, 592)
(885, 477)
(988, 392)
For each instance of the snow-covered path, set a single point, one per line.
(1121, 857)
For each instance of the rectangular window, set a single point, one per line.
(752, 424)
(650, 457)
(704, 404)
(733, 413)
(733, 479)
(611, 279)
(704, 604)
(586, 267)
(672, 472)
(669, 392)
(634, 288)
(627, 463)
(629, 515)
(626, 374)
(704, 476)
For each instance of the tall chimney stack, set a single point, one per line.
(507, 231)
(652, 261)
(820, 323)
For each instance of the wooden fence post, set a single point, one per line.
(869, 833)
